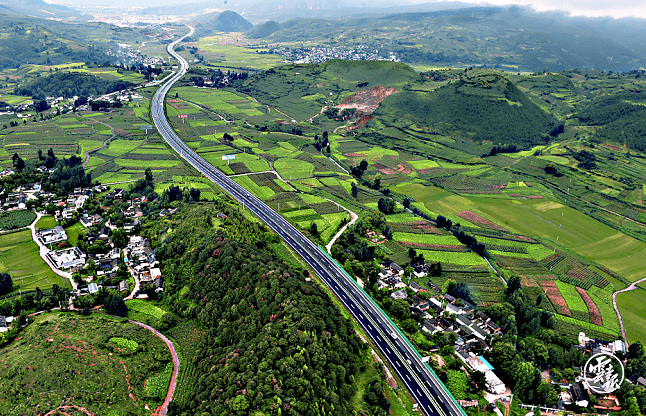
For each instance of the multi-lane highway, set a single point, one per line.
(431, 395)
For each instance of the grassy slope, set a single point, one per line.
(67, 351)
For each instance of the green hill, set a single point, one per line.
(622, 118)
(263, 30)
(48, 42)
(227, 21)
(284, 87)
(477, 106)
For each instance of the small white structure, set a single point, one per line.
(53, 235)
(493, 383)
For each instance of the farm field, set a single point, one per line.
(60, 357)
(222, 54)
(633, 310)
(19, 256)
(620, 253)
(10, 220)
(46, 221)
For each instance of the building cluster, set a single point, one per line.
(129, 55)
(473, 329)
(139, 259)
(72, 203)
(18, 198)
(316, 55)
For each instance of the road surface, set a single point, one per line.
(430, 394)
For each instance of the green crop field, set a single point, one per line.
(46, 221)
(262, 192)
(145, 307)
(427, 239)
(633, 310)
(68, 359)
(460, 259)
(73, 232)
(291, 169)
(543, 218)
(572, 297)
(620, 253)
(539, 251)
(585, 325)
(402, 217)
(224, 55)
(19, 256)
(16, 219)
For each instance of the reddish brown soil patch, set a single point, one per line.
(607, 146)
(528, 281)
(362, 121)
(405, 169)
(366, 101)
(595, 315)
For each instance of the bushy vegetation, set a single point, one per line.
(276, 340)
(476, 107)
(70, 84)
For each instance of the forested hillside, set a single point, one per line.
(479, 107)
(622, 117)
(46, 42)
(274, 342)
(70, 84)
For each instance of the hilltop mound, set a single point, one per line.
(227, 21)
(476, 107)
(301, 90)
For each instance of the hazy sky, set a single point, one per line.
(592, 8)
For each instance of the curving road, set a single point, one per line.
(173, 379)
(430, 394)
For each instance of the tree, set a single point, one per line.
(40, 155)
(18, 163)
(408, 271)
(119, 238)
(114, 305)
(6, 284)
(513, 284)
(377, 183)
(91, 266)
(363, 165)
(406, 203)
(239, 404)
(636, 350)
(314, 229)
(412, 253)
(355, 190)
(386, 205)
(148, 175)
(409, 325)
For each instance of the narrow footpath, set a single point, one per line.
(105, 142)
(163, 409)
